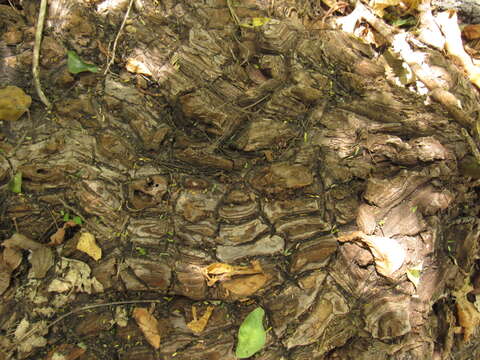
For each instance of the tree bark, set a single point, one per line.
(469, 10)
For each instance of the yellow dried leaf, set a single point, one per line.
(220, 272)
(13, 103)
(218, 268)
(198, 325)
(88, 245)
(149, 326)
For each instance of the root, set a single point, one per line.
(36, 54)
(114, 49)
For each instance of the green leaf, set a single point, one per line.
(16, 183)
(77, 220)
(414, 273)
(76, 65)
(251, 335)
(66, 217)
(409, 21)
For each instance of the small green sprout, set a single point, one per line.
(141, 251)
(15, 184)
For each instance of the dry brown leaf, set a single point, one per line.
(149, 326)
(12, 257)
(245, 286)
(389, 255)
(41, 260)
(468, 318)
(198, 325)
(21, 242)
(74, 275)
(88, 245)
(41, 257)
(468, 315)
(221, 272)
(59, 236)
(5, 273)
(13, 103)
(471, 32)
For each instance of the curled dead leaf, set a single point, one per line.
(21, 242)
(12, 257)
(197, 325)
(468, 318)
(389, 255)
(148, 325)
(59, 236)
(41, 260)
(468, 315)
(41, 257)
(221, 272)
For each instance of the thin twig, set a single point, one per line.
(114, 49)
(34, 329)
(13, 7)
(232, 12)
(36, 53)
(89, 307)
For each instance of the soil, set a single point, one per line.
(234, 155)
